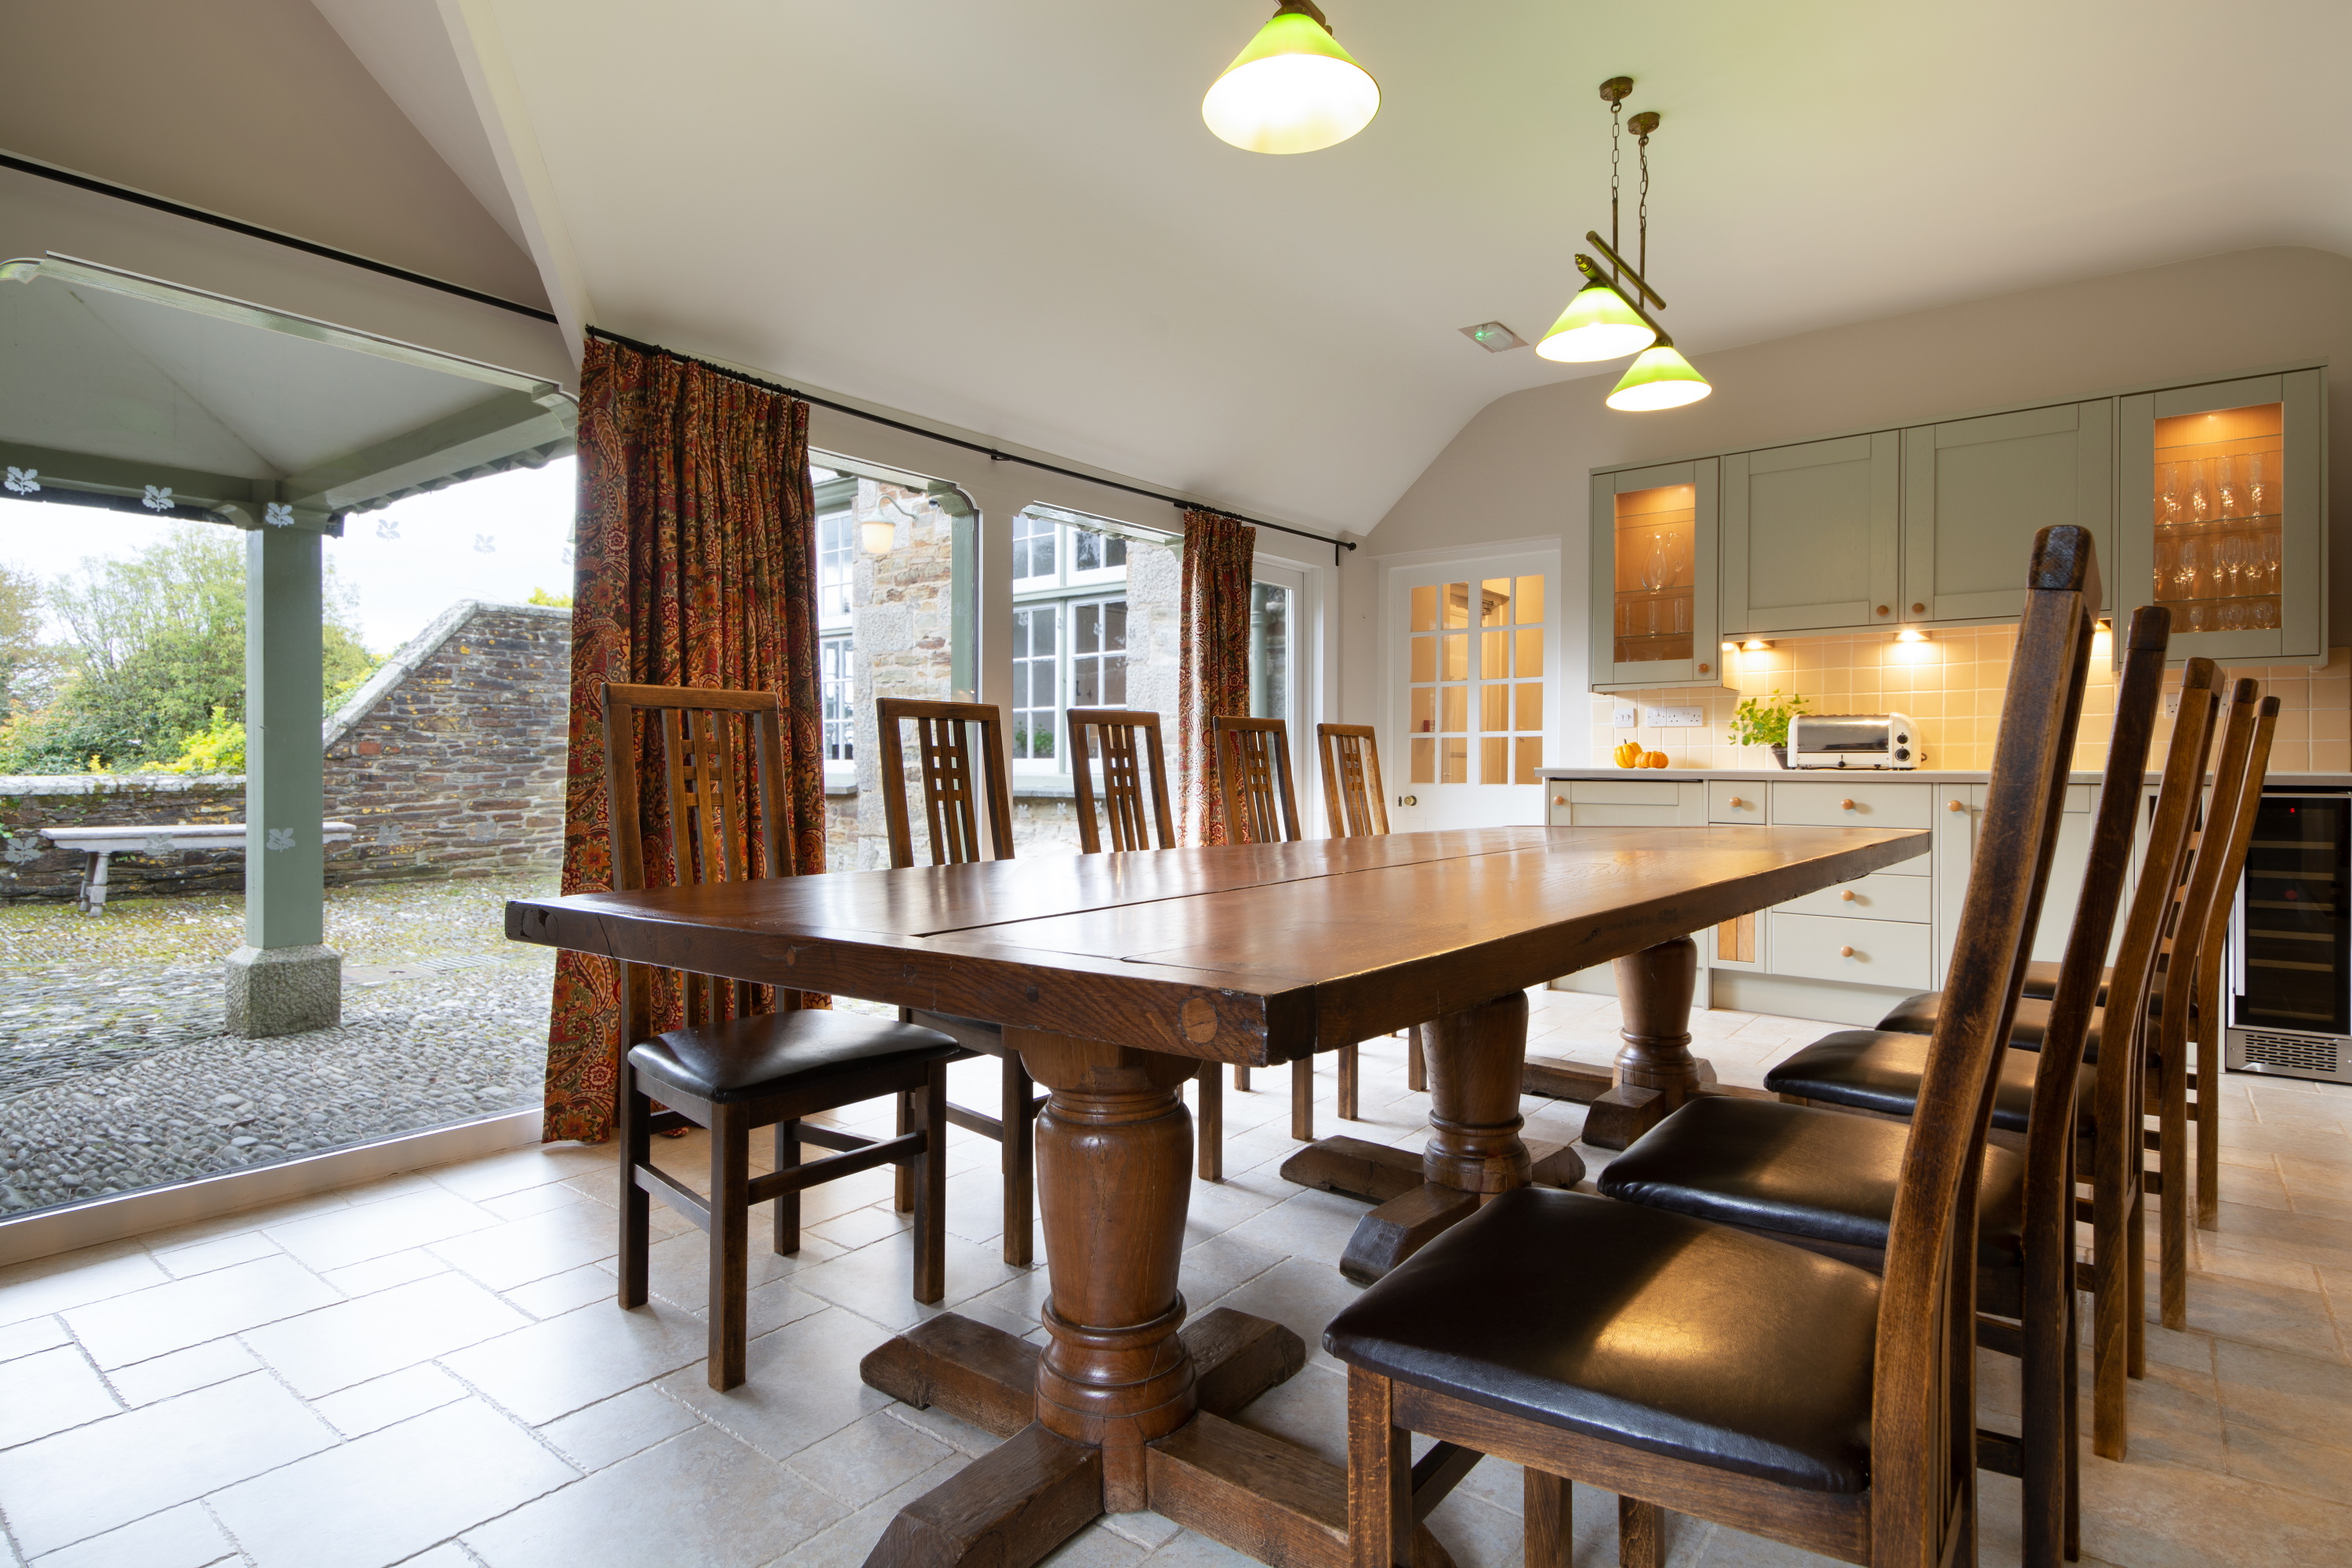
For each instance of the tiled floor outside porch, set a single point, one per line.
(431, 1370)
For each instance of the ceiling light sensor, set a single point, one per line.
(1495, 337)
(1293, 90)
(1607, 320)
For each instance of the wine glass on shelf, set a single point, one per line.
(2200, 493)
(2226, 483)
(2233, 616)
(2267, 614)
(2230, 560)
(2185, 564)
(2169, 505)
(2267, 574)
(2196, 617)
(2257, 483)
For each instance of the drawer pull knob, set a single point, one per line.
(1560, 800)
(1847, 895)
(1919, 609)
(1882, 609)
(1734, 802)
(1954, 805)
(1702, 669)
(1845, 806)
(1845, 952)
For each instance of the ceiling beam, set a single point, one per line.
(489, 432)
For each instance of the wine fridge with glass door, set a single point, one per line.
(2289, 964)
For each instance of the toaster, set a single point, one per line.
(1853, 741)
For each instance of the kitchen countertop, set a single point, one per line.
(1873, 775)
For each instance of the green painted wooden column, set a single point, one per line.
(284, 979)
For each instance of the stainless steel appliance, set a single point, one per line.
(2290, 954)
(1853, 741)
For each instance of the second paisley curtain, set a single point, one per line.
(695, 551)
(1212, 669)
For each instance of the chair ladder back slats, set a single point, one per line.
(1923, 1461)
(1252, 759)
(2211, 856)
(1354, 801)
(1132, 761)
(946, 735)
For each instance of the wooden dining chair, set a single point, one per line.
(728, 1067)
(1134, 778)
(959, 760)
(1826, 1178)
(1696, 1366)
(1355, 806)
(1253, 757)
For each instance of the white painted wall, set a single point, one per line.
(1519, 468)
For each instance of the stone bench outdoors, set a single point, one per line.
(101, 844)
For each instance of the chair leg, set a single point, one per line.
(1641, 1534)
(1416, 1066)
(1241, 1078)
(2180, 1190)
(636, 1212)
(1017, 1158)
(1348, 1084)
(2209, 1126)
(2073, 1429)
(2135, 1286)
(787, 1208)
(902, 1193)
(731, 1242)
(931, 1190)
(1302, 1100)
(1379, 1472)
(1547, 1505)
(1211, 1133)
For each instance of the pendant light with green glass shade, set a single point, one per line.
(1606, 319)
(1293, 90)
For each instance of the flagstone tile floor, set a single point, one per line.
(430, 1370)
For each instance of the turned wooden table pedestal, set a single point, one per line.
(1118, 977)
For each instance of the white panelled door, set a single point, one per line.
(1473, 653)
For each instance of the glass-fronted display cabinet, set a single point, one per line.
(2223, 516)
(1654, 609)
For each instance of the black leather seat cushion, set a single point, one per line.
(1879, 1069)
(2041, 980)
(1825, 1175)
(1662, 1333)
(747, 1058)
(1918, 1016)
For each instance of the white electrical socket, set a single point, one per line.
(1677, 718)
(1626, 716)
(2172, 705)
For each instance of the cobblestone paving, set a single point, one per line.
(114, 1074)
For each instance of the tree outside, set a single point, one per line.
(149, 674)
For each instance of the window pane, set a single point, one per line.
(1531, 657)
(1494, 706)
(1528, 756)
(1495, 656)
(1424, 615)
(1457, 655)
(1424, 658)
(1425, 760)
(1456, 762)
(1269, 657)
(1530, 705)
(1456, 702)
(1424, 709)
(1457, 604)
(1494, 762)
(1530, 607)
(1495, 602)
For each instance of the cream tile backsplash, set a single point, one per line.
(1952, 686)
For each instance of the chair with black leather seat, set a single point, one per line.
(1826, 1178)
(1253, 758)
(960, 759)
(728, 1067)
(1696, 1366)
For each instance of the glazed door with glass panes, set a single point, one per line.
(1653, 584)
(1476, 683)
(2225, 520)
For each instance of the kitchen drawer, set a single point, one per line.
(1583, 815)
(1735, 802)
(1861, 953)
(1872, 804)
(1622, 792)
(1878, 897)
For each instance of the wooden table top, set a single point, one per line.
(1250, 953)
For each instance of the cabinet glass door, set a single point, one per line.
(2223, 519)
(1654, 577)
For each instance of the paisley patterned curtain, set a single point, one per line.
(1212, 669)
(695, 551)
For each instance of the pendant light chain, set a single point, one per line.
(1616, 114)
(1641, 262)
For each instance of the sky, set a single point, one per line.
(495, 539)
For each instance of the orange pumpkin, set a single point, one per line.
(1655, 760)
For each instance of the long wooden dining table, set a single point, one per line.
(1117, 976)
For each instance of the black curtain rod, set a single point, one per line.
(254, 231)
(990, 452)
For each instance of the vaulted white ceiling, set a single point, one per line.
(1010, 217)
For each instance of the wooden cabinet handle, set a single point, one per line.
(1845, 806)
(1702, 669)
(1734, 802)
(1919, 609)
(1954, 805)
(1560, 800)
(1845, 952)
(1882, 609)
(1847, 895)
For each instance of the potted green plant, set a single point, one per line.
(1764, 721)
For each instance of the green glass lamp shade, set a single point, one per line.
(1597, 324)
(1294, 89)
(1661, 378)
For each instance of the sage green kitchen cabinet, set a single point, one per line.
(2222, 499)
(1654, 597)
(1976, 491)
(1811, 536)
